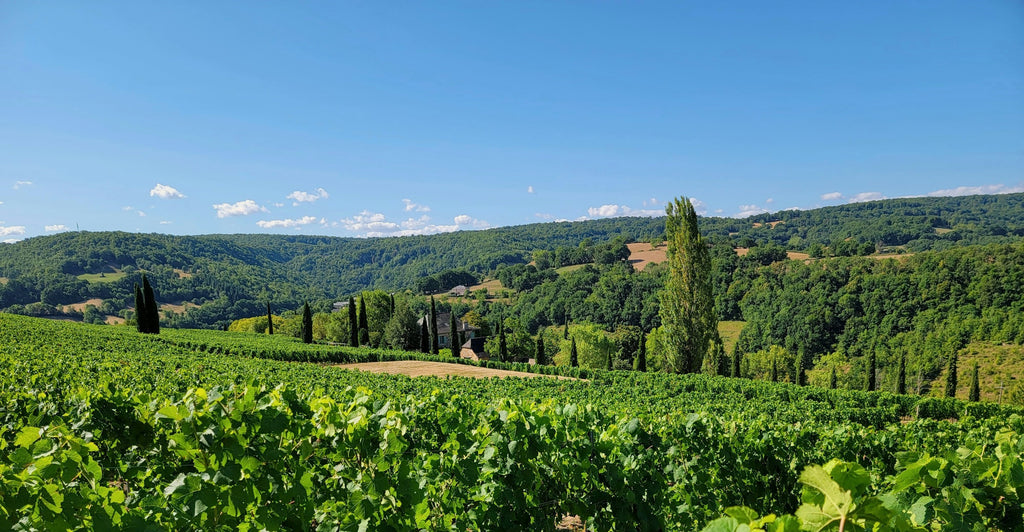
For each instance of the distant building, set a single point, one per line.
(474, 350)
(339, 306)
(444, 329)
(458, 291)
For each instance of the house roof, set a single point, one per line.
(444, 324)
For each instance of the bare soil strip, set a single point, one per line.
(416, 368)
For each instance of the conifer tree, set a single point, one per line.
(951, 376)
(424, 336)
(364, 337)
(152, 309)
(434, 348)
(453, 335)
(901, 375)
(687, 305)
(565, 333)
(307, 324)
(872, 369)
(539, 356)
(140, 310)
(574, 358)
(270, 320)
(353, 323)
(611, 358)
(799, 377)
(737, 357)
(363, 320)
(502, 342)
(833, 380)
(975, 393)
(641, 356)
(391, 306)
(775, 371)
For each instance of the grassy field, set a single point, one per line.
(566, 269)
(1000, 368)
(730, 333)
(102, 277)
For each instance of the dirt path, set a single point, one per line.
(416, 368)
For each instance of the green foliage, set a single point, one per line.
(353, 323)
(975, 390)
(433, 327)
(151, 310)
(687, 305)
(306, 332)
(951, 375)
(270, 320)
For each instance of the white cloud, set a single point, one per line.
(241, 208)
(749, 210)
(11, 240)
(650, 202)
(529, 189)
(58, 227)
(127, 208)
(307, 197)
(19, 184)
(165, 192)
(832, 196)
(270, 224)
(769, 201)
(369, 221)
(166, 222)
(543, 215)
(140, 213)
(610, 210)
(698, 206)
(464, 220)
(971, 191)
(12, 230)
(866, 196)
(411, 206)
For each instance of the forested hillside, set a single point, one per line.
(225, 277)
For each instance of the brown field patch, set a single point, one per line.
(177, 308)
(796, 255)
(115, 320)
(741, 251)
(770, 224)
(643, 253)
(79, 307)
(417, 368)
(182, 274)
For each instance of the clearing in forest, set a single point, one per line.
(416, 368)
(643, 253)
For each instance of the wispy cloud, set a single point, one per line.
(369, 221)
(20, 184)
(749, 210)
(240, 208)
(58, 227)
(411, 206)
(12, 230)
(832, 196)
(982, 189)
(611, 210)
(866, 196)
(165, 192)
(529, 189)
(307, 197)
(166, 222)
(286, 223)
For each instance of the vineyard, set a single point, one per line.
(105, 429)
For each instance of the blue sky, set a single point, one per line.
(387, 118)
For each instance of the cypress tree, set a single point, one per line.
(433, 327)
(951, 376)
(307, 324)
(539, 356)
(737, 356)
(872, 369)
(391, 306)
(641, 356)
(565, 333)
(424, 336)
(901, 375)
(798, 369)
(502, 343)
(610, 359)
(687, 305)
(270, 320)
(152, 310)
(453, 335)
(353, 323)
(833, 380)
(364, 337)
(140, 310)
(363, 320)
(574, 358)
(975, 393)
(775, 371)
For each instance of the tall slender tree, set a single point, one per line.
(152, 309)
(872, 370)
(502, 342)
(565, 332)
(270, 320)
(391, 306)
(540, 357)
(140, 310)
(574, 357)
(353, 323)
(641, 355)
(737, 357)
(453, 333)
(687, 305)
(424, 336)
(434, 348)
(364, 322)
(901, 375)
(975, 393)
(775, 370)
(951, 376)
(307, 324)
(799, 376)
(833, 380)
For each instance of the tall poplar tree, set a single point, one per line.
(270, 320)
(872, 369)
(540, 356)
(833, 379)
(687, 305)
(364, 321)
(901, 375)
(140, 310)
(951, 376)
(152, 309)
(353, 323)
(433, 327)
(574, 357)
(641, 356)
(307, 324)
